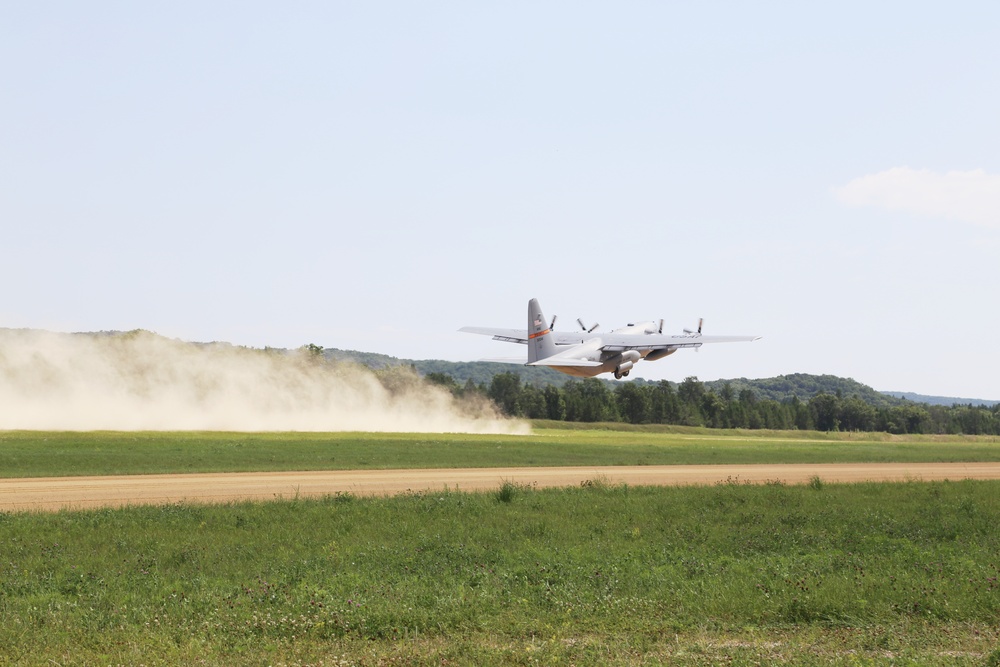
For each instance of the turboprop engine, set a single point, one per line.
(626, 360)
(659, 354)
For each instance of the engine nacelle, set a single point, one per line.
(659, 354)
(630, 355)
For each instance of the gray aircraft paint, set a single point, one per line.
(540, 343)
(586, 354)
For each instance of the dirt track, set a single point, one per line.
(53, 493)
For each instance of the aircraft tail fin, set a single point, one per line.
(540, 343)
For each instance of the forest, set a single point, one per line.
(722, 405)
(795, 401)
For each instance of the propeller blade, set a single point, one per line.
(552, 324)
(660, 330)
(593, 328)
(583, 327)
(701, 320)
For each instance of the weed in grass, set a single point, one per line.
(506, 492)
(509, 490)
(600, 483)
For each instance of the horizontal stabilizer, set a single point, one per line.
(564, 361)
(505, 335)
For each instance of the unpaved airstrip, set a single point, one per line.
(55, 493)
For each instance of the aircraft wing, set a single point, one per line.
(612, 342)
(622, 342)
(573, 338)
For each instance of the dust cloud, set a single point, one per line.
(141, 381)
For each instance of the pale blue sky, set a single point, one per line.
(374, 176)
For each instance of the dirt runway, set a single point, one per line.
(54, 493)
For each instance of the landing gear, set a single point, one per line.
(619, 374)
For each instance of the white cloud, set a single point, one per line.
(969, 196)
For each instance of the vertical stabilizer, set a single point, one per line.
(540, 343)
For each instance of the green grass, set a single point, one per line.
(599, 574)
(593, 575)
(36, 453)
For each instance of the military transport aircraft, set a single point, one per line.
(586, 354)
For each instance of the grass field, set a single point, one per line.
(593, 575)
(45, 454)
(821, 574)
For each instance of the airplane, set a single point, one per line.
(586, 354)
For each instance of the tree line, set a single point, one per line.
(693, 403)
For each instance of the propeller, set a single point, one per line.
(552, 324)
(701, 320)
(584, 326)
(660, 330)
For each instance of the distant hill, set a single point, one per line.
(939, 400)
(782, 388)
(804, 386)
